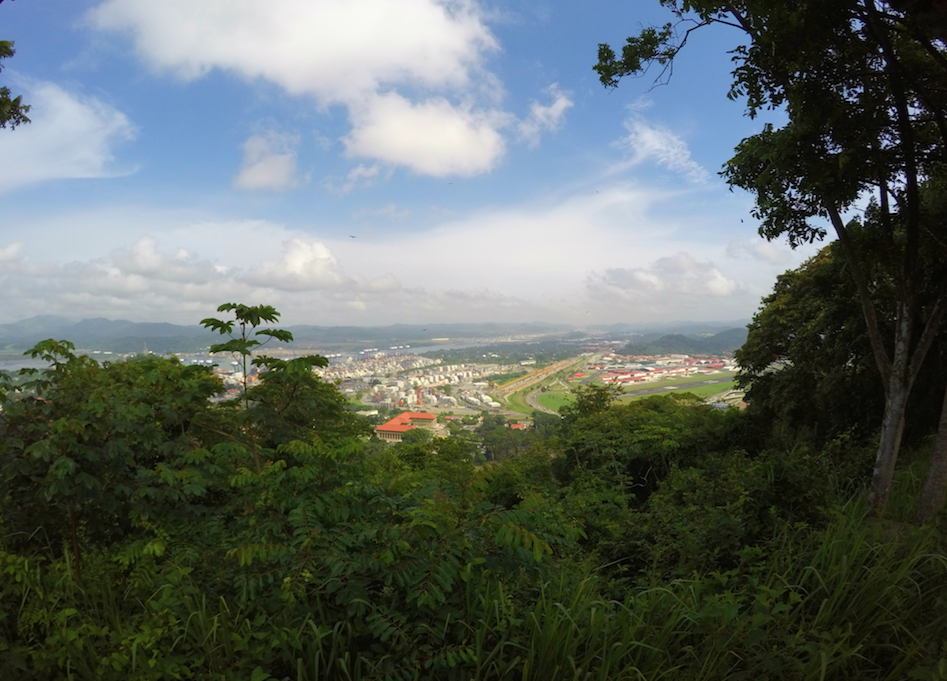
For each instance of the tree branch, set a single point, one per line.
(742, 20)
(864, 295)
(896, 77)
(669, 65)
(930, 332)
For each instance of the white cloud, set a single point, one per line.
(666, 281)
(545, 118)
(600, 255)
(71, 136)
(358, 177)
(138, 283)
(304, 266)
(145, 260)
(410, 72)
(338, 50)
(11, 252)
(433, 137)
(647, 142)
(144, 283)
(543, 246)
(759, 249)
(269, 163)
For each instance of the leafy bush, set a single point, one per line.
(148, 534)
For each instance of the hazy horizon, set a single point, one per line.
(681, 323)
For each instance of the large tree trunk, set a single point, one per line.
(892, 427)
(897, 372)
(935, 487)
(902, 374)
(897, 390)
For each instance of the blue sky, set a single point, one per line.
(369, 162)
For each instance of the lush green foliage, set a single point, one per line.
(807, 362)
(12, 109)
(861, 84)
(655, 539)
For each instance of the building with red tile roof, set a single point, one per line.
(393, 430)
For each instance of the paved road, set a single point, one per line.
(535, 377)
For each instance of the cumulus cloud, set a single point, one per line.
(647, 142)
(665, 279)
(432, 137)
(304, 266)
(144, 259)
(545, 117)
(382, 60)
(71, 136)
(269, 163)
(595, 256)
(137, 282)
(335, 49)
(146, 283)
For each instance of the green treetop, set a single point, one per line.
(12, 109)
(863, 87)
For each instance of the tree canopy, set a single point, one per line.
(12, 109)
(150, 531)
(864, 87)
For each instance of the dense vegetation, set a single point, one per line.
(861, 83)
(148, 533)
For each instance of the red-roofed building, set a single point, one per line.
(402, 423)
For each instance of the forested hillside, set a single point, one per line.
(717, 344)
(125, 336)
(148, 533)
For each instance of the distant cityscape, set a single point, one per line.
(513, 373)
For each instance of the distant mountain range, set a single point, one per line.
(671, 344)
(419, 333)
(105, 334)
(122, 336)
(655, 329)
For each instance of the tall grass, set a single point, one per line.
(856, 600)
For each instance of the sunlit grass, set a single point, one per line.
(699, 391)
(676, 381)
(555, 401)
